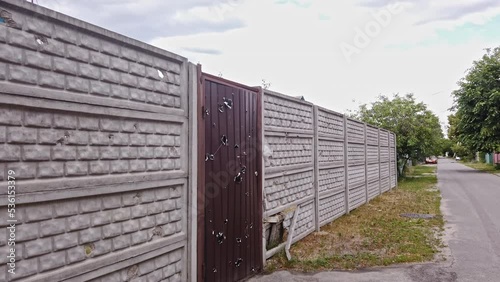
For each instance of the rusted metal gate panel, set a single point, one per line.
(230, 195)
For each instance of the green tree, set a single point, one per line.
(452, 127)
(477, 102)
(446, 146)
(457, 147)
(417, 129)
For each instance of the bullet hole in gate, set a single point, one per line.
(224, 141)
(210, 157)
(221, 108)
(238, 178)
(243, 169)
(214, 270)
(226, 220)
(228, 103)
(220, 237)
(238, 262)
(236, 146)
(238, 240)
(207, 112)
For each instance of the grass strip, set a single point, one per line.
(375, 234)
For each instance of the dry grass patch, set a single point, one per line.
(375, 234)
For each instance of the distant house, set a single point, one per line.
(492, 158)
(496, 158)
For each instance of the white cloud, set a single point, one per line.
(295, 45)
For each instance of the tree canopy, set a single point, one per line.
(477, 102)
(417, 129)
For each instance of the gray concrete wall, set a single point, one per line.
(95, 126)
(321, 163)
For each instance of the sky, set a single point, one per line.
(337, 54)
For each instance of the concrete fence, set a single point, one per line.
(319, 165)
(98, 138)
(94, 129)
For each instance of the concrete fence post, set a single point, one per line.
(366, 164)
(379, 165)
(396, 159)
(390, 159)
(316, 166)
(346, 166)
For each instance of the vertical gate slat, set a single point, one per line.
(229, 225)
(235, 223)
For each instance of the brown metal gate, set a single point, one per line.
(230, 204)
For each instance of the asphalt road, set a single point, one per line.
(471, 207)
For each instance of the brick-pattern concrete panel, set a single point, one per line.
(356, 175)
(372, 135)
(356, 154)
(288, 151)
(286, 113)
(59, 144)
(384, 138)
(393, 171)
(283, 190)
(372, 154)
(331, 207)
(356, 197)
(331, 180)
(373, 172)
(384, 177)
(373, 189)
(61, 234)
(355, 131)
(165, 267)
(331, 124)
(79, 68)
(384, 154)
(330, 152)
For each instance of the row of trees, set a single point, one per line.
(474, 127)
(418, 130)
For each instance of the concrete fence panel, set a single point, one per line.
(94, 127)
